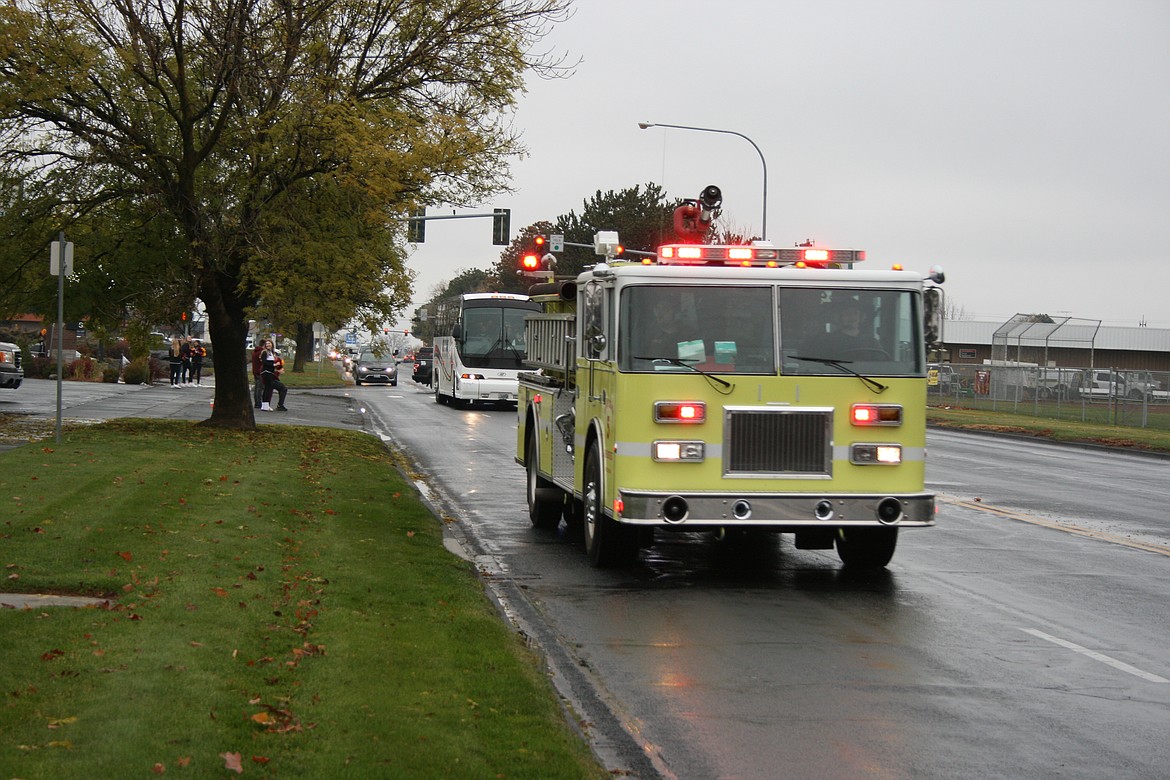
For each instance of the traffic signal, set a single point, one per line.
(183, 316)
(406, 333)
(416, 227)
(531, 260)
(501, 226)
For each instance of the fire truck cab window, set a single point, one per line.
(717, 329)
(872, 331)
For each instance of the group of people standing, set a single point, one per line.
(186, 361)
(267, 366)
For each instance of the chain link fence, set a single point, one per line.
(1107, 396)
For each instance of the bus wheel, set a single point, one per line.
(545, 502)
(866, 547)
(439, 397)
(606, 542)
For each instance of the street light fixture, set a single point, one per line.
(763, 162)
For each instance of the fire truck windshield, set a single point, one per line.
(715, 329)
(735, 329)
(871, 331)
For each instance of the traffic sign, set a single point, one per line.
(556, 242)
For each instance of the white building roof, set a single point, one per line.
(1082, 334)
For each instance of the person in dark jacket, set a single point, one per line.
(271, 365)
(175, 360)
(257, 368)
(185, 353)
(197, 355)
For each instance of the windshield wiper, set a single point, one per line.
(871, 383)
(685, 364)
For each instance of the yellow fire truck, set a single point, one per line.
(733, 389)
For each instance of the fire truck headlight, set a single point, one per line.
(870, 454)
(678, 451)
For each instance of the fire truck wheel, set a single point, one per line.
(545, 502)
(607, 543)
(866, 548)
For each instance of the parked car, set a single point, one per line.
(941, 376)
(422, 365)
(11, 373)
(370, 368)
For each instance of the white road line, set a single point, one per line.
(1097, 656)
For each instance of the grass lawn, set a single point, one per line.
(1149, 439)
(326, 373)
(283, 606)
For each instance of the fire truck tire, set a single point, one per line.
(545, 500)
(866, 548)
(607, 543)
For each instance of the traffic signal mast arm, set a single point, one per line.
(501, 224)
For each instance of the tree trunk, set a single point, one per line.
(304, 346)
(228, 328)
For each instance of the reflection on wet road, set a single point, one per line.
(748, 658)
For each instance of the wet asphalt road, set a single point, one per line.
(1025, 636)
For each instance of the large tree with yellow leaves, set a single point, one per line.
(250, 129)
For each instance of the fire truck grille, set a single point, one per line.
(778, 441)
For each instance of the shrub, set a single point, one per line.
(39, 367)
(84, 368)
(110, 374)
(138, 372)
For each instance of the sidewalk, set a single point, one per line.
(33, 416)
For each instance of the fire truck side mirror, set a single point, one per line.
(598, 342)
(934, 305)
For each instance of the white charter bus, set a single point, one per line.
(479, 347)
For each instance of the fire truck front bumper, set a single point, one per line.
(795, 511)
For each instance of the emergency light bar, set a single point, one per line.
(759, 256)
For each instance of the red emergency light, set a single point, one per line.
(755, 256)
(875, 414)
(680, 411)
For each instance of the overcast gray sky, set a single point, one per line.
(1024, 145)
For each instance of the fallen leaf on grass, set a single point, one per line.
(126, 556)
(231, 761)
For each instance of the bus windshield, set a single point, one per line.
(493, 335)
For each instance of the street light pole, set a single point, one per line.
(763, 162)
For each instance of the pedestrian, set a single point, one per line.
(271, 365)
(257, 369)
(185, 354)
(175, 360)
(197, 355)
